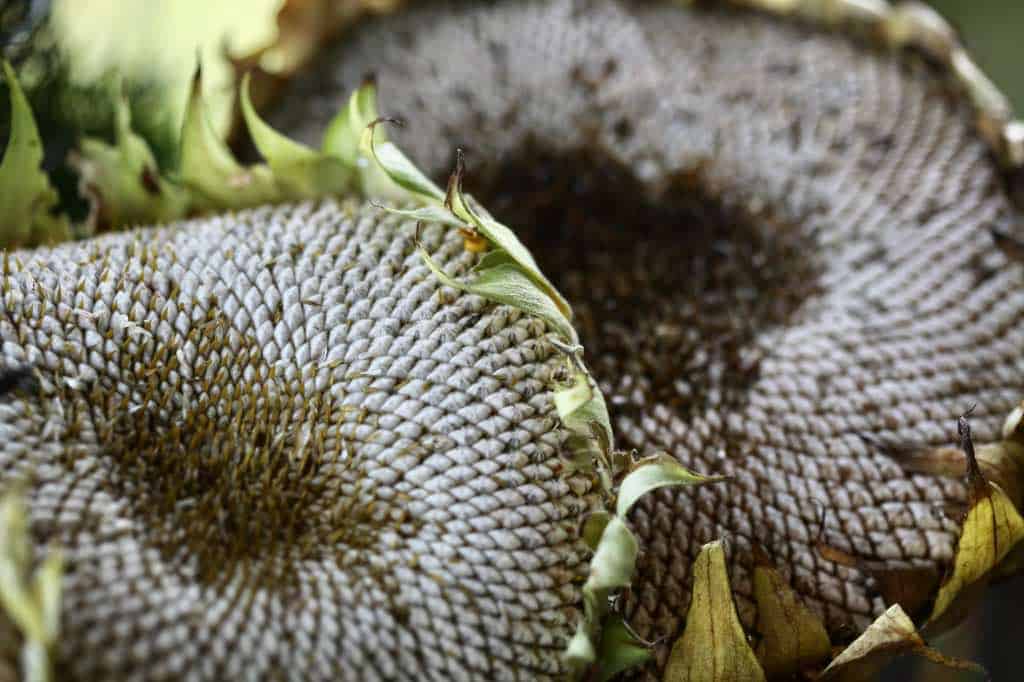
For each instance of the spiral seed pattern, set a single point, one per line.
(777, 243)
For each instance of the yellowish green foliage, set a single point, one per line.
(31, 599)
(126, 187)
(620, 649)
(208, 168)
(651, 473)
(301, 172)
(991, 530)
(158, 41)
(613, 565)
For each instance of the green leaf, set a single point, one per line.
(583, 412)
(502, 237)
(15, 599)
(34, 607)
(300, 172)
(574, 396)
(615, 559)
(353, 136)
(655, 472)
(27, 199)
(580, 651)
(593, 528)
(345, 131)
(507, 284)
(620, 649)
(47, 588)
(713, 647)
(591, 415)
(431, 213)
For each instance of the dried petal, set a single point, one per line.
(713, 647)
(793, 638)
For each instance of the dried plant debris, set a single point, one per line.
(793, 641)
(793, 638)
(891, 635)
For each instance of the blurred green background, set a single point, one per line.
(994, 32)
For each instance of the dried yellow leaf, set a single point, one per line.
(793, 638)
(713, 646)
(890, 636)
(991, 530)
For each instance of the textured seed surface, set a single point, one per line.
(272, 448)
(271, 451)
(776, 241)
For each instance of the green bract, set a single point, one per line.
(28, 198)
(123, 181)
